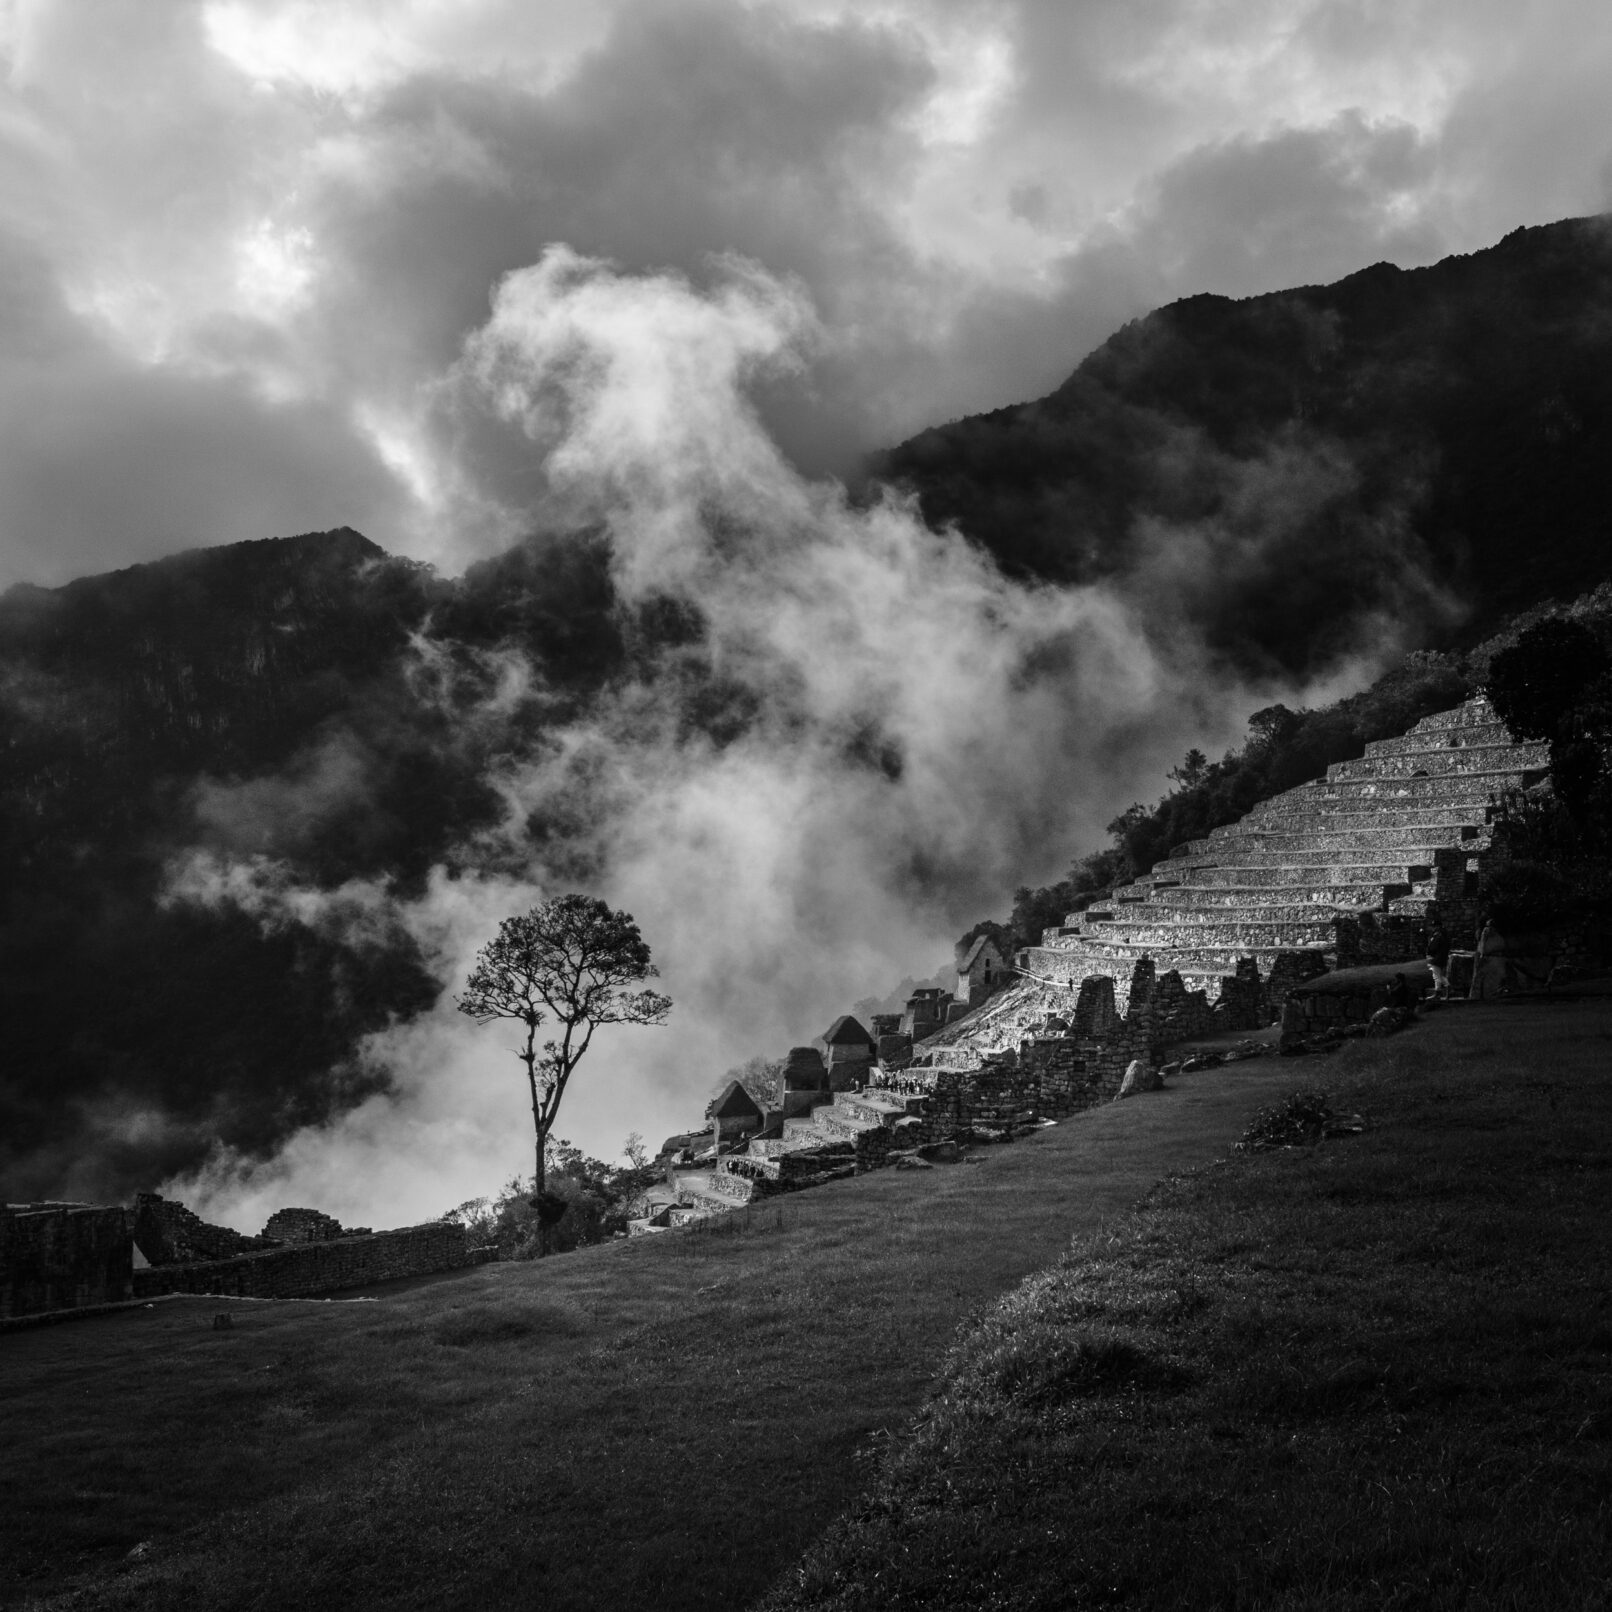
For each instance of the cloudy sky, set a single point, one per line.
(243, 242)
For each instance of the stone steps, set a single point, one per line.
(1420, 835)
(833, 1124)
(1463, 789)
(1477, 735)
(1300, 902)
(1293, 901)
(1186, 934)
(1296, 854)
(1329, 817)
(1456, 762)
(1115, 957)
(734, 1190)
(1246, 906)
(1315, 875)
(1476, 712)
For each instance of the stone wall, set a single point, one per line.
(168, 1233)
(61, 1256)
(1308, 1014)
(1053, 1072)
(1378, 937)
(301, 1226)
(304, 1269)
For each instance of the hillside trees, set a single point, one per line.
(596, 1201)
(1555, 683)
(574, 962)
(760, 1076)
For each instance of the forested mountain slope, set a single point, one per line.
(1434, 444)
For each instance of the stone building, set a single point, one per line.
(851, 1052)
(805, 1081)
(928, 1010)
(980, 971)
(735, 1115)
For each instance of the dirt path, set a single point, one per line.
(664, 1423)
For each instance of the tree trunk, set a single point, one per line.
(539, 1173)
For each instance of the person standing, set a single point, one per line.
(1487, 968)
(1438, 961)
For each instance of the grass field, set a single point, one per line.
(666, 1423)
(1374, 1374)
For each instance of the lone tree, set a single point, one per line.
(571, 961)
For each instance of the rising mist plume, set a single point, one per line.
(860, 738)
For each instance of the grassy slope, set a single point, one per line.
(1372, 1374)
(666, 1423)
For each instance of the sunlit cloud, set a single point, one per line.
(316, 201)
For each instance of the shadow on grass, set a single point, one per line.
(665, 1422)
(1367, 1373)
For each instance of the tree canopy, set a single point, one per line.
(571, 961)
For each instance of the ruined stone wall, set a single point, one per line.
(1288, 972)
(1049, 1075)
(61, 1256)
(168, 1233)
(305, 1269)
(301, 1226)
(1379, 937)
(1457, 892)
(1313, 1013)
(1096, 1008)
(1180, 1013)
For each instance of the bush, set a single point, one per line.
(1545, 676)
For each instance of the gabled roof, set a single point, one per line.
(980, 943)
(734, 1103)
(846, 1031)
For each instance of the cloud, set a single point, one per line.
(248, 237)
(918, 735)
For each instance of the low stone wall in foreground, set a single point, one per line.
(305, 1269)
(62, 1256)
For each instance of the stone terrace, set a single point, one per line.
(1337, 871)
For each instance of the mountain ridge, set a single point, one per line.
(1383, 443)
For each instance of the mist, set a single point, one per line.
(913, 735)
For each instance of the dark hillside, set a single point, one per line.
(1425, 443)
(264, 700)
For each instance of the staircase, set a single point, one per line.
(1373, 836)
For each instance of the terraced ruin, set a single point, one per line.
(1335, 873)
(1343, 871)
